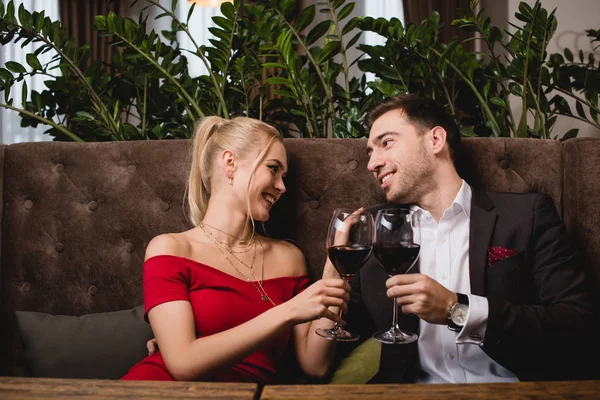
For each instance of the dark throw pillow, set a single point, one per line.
(93, 346)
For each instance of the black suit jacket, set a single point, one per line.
(540, 320)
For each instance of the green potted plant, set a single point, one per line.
(271, 46)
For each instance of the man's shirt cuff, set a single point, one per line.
(474, 330)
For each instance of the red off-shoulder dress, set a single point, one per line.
(219, 301)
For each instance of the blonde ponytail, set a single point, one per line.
(212, 136)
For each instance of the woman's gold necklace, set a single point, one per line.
(243, 243)
(263, 294)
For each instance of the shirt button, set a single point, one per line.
(450, 356)
(444, 277)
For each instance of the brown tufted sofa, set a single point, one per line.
(76, 218)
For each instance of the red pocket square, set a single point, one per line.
(498, 253)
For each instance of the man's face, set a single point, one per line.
(398, 158)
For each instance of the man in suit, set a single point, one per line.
(500, 294)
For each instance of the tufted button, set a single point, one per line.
(28, 204)
(505, 164)
(93, 290)
(59, 247)
(131, 168)
(165, 206)
(60, 168)
(93, 206)
(129, 247)
(353, 165)
(26, 287)
(314, 204)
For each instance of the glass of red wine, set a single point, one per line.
(349, 245)
(396, 247)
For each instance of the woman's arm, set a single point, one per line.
(190, 358)
(316, 354)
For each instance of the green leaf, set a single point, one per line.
(317, 32)
(190, 12)
(572, 133)
(337, 3)
(346, 11)
(353, 23)
(228, 10)
(33, 61)
(100, 23)
(486, 89)
(25, 18)
(24, 93)
(305, 18)
(285, 93)
(83, 115)
(515, 89)
(594, 114)
(5, 74)
(174, 5)
(273, 65)
(498, 101)
(39, 22)
(223, 23)
(550, 123)
(329, 51)
(278, 80)
(298, 112)
(15, 67)
(568, 55)
(580, 111)
(467, 131)
(354, 39)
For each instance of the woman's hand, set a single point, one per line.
(314, 302)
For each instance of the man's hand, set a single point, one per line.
(421, 295)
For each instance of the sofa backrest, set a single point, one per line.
(77, 217)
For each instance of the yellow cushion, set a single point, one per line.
(360, 365)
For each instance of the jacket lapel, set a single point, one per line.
(483, 219)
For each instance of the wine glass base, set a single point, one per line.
(395, 336)
(338, 335)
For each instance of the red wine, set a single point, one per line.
(348, 259)
(396, 257)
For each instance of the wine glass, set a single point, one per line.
(349, 245)
(396, 247)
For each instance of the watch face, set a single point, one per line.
(459, 314)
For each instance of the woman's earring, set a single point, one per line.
(231, 182)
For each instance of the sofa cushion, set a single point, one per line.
(93, 346)
(360, 365)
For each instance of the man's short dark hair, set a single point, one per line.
(425, 114)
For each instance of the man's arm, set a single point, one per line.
(544, 337)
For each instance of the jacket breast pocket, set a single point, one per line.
(505, 279)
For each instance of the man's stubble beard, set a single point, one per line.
(417, 182)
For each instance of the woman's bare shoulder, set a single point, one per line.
(286, 254)
(172, 244)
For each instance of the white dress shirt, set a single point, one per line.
(446, 356)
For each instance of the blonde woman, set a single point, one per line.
(222, 300)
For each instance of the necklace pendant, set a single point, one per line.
(264, 298)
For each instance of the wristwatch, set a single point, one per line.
(457, 315)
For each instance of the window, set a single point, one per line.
(10, 121)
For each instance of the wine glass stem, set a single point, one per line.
(336, 326)
(395, 327)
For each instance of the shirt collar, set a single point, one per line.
(462, 202)
(463, 198)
